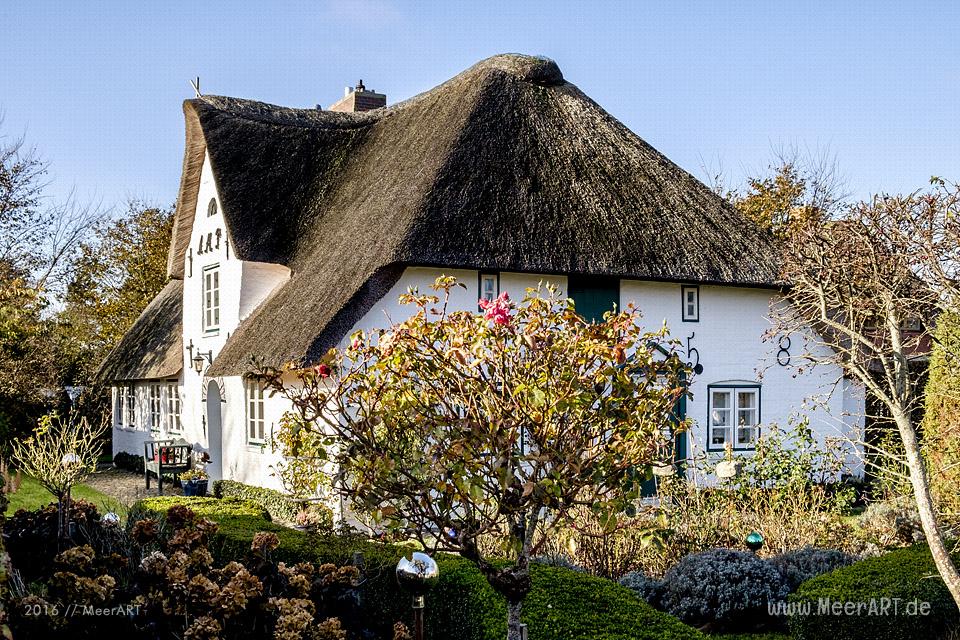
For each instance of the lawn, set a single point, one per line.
(33, 496)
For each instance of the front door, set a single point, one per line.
(214, 431)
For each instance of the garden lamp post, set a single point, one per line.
(417, 576)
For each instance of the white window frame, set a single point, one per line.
(690, 303)
(130, 406)
(117, 404)
(736, 419)
(256, 422)
(174, 406)
(488, 286)
(155, 408)
(210, 307)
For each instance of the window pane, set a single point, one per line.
(719, 436)
(721, 400)
(747, 399)
(745, 435)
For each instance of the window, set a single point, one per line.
(118, 406)
(173, 409)
(130, 402)
(691, 303)
(489, 286)
(211, 299)
(155, 403)
(212, 207)
(255, 420)
(734, 416)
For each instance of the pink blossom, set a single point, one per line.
(322, 370)
(497, 310)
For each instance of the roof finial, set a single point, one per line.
(360, 86)
(196, 86)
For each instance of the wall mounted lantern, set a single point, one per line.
(199, 358)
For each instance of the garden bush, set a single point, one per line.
(647, 589)
(164, 571)
(128, 462)
(563, 604)
(280, 506)
(889, 525)
(722, 589)
(908, 574)
(799, 566)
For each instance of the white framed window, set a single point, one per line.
(212, 207)
(130, 404)
(489, 286)
(117, 393)
(691, 303)
(733, 415)
(211, 299)
(255, 420)
(174, 424)
(156, 402)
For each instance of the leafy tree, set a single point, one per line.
(463, 428)
(799, 189)
(116, 274)
(863, 293)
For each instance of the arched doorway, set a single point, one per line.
(214, 431)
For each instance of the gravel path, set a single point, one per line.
(127, 487)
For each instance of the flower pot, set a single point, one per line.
(664, 469)
(728, 469)
(195, 488)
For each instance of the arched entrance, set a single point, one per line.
(214, 431)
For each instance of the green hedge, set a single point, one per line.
(279, 505)
(564, 605)
(908, 574)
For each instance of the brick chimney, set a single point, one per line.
(359, 99)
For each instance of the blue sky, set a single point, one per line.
(97, 86)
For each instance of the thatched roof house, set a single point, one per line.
(506, 166)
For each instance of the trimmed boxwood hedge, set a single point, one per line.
(908, 574)
(563, 605)
(280, 505)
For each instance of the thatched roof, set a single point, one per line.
(505, 167)
(153, 347)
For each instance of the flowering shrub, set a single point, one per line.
(168, 587)
(722, 589)
(799, 566)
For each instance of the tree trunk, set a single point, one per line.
(513, 620)
(928, 517)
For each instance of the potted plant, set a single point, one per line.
(194, 482)
(307, 520)
(728, 468)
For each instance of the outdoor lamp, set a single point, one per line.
(199, 358)
(417, 576)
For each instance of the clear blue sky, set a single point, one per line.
(97, 86)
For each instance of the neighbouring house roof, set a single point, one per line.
(504, 167)
(153, 347)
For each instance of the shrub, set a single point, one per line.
(908, 574)
(647, 589)
(170, 576)
(30, 535)
(941, 422)
(799, 566)
(557, 560)
(562, 604)
(128, 462)
(886, 525)
(722, 588)
(280, 506)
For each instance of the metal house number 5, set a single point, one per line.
(693, 356)
(783, 355)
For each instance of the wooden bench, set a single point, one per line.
(165, 456)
